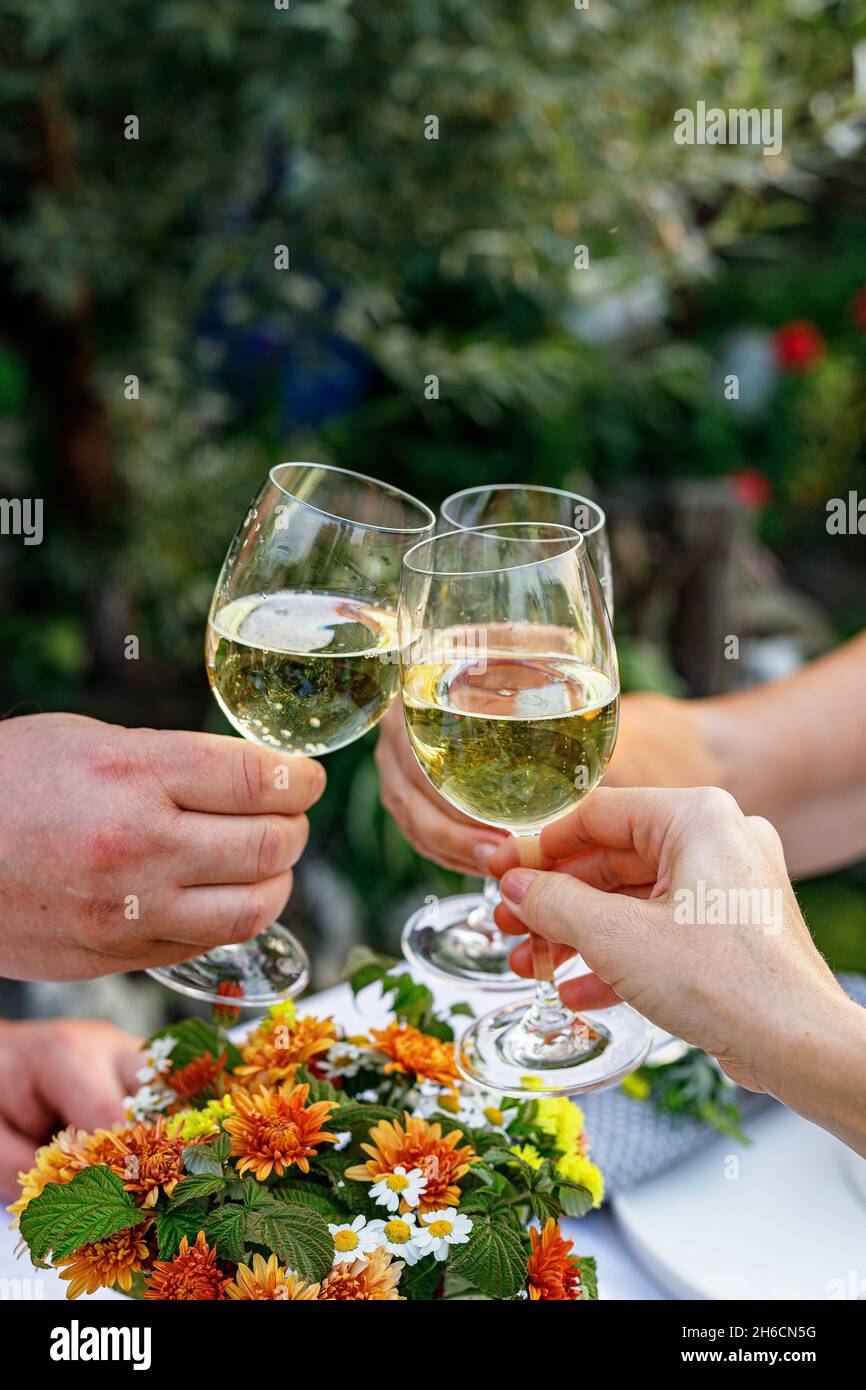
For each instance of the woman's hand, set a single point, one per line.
(55, 1073)
(682, 906)
(433, 827)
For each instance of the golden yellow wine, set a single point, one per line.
(511, 740)
(305, 673)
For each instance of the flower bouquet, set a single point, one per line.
(304, 1164)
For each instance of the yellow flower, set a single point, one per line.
(268, 1280)
(284, 1011)
(578, 1168)
(275, 1050)
(637, 1086)
(192, 1124)
(371, 1280)
(58, 1162)
(107, 1262)
(561, 1121)
(529, 1153)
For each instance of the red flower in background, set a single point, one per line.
(798, 345)
(858, 308)
(751, 487)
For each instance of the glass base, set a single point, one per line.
(568, 1054)
(455, 940)
(253, 974)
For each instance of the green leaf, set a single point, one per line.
(320, 1089)
(588, 1277)
(356, 1113)
(298, 1236)
(200, 1185)
(66, 1216)
(193, 1038)
(364, 967)
(419, 1283)
(462, 1010)
(314, 1196)
(173, 1225)
(493, 1259)
(574, 1199)
(202, 1159)
(225, 1229)
(544, 1204)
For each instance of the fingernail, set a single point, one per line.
(483, 854)
(515, 884)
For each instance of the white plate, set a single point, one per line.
(779, 1219)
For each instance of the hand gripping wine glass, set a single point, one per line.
(511, 696)
(301, 657)
(461, 940)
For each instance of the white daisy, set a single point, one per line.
(149, 1100)
(356, 1241)
(344, 1059)
(398, 1237)
(399, 1186)
(157, 1058)
(442, 1229)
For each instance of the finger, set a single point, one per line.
(214, 772)
(433, 828)
(564, 909)
(237, 849)
(624, 818)
(217, 916)
(608, 869)
(507, 921)
(16, 1156)
(521, 957)
(83, 1087)
(588, 992)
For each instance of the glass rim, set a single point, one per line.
(361, 477)
(526, 487)
(578, 544)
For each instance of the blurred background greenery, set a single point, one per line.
(410, 257)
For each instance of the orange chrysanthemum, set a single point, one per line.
(267, 1279)
(417, 1144)
(275, 1050)
(145, 1156)
(554, 1273)
(273, 1130)
(414, 1053)
(58, 1161)
(200, 1078)
(192, 1275)
(371, 1280)
(105, 1263)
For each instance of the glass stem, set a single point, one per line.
(548, 1011)
(482, 916)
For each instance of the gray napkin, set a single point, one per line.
(630, 1140)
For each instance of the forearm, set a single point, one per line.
(820, 1071)
(795, 752)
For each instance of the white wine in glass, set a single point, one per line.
(301, 655)
(464, 943)
(511, 698)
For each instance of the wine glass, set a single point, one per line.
(459, 939)
(301, 657)
(511, 697)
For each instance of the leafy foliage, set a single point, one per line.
(66, 1216)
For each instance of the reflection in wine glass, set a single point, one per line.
(301, 657)
(511, 697)
(464, 942)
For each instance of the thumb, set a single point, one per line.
(565, 909)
